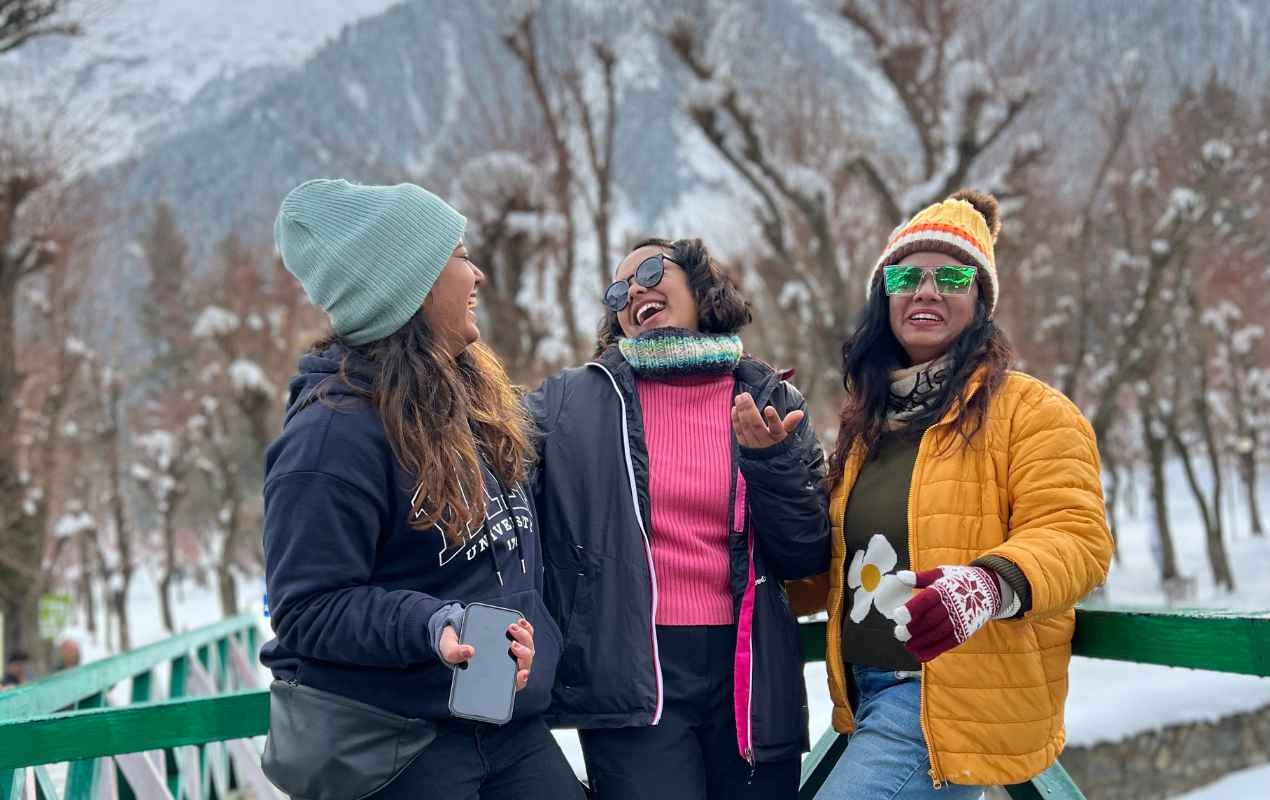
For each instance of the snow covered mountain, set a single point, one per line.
(138, 65)
(220, 107)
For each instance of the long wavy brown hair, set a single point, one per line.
(442, 414)
(871, 353)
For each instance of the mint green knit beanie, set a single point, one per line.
(366, 255)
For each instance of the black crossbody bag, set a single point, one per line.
(324, 746)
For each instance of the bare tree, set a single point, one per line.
(118, 569)
(1202, 153)
(166, 315)
(24, 20)
(22, 256)
(1249, 386)
(1123, 97)
(600, 135)
(807, 202)
(39, 356)
(954, 104)
(523, 42)
(1155, 437)
(1190, 406)
(514, 230)
(163, 470)
(245, 335)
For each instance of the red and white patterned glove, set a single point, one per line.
(953, 603)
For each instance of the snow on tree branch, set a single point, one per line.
(214, 322)
(247, 376)
(1185, 204)
(71, 525)
(24, 20)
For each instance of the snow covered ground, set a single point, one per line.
(1247, 783)
(1131, 698)
(1108, 701)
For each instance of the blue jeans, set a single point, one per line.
(886, 757)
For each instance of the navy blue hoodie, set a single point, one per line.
(352, 586)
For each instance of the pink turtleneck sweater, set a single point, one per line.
(688, 433)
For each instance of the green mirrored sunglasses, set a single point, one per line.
(949, 279)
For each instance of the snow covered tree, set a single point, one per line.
(956, 102)
(162, 468)
(39, 355)
(576, 93)
(24, 20)
(247, 333)
(165, 316)
(116, 557)
(1183, 225)
(515, 233)
(815, 191)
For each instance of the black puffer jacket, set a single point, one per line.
(593, 503)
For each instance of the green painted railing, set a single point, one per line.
(186, 729)
(148, 748)
(1212, 640)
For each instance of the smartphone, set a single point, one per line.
(485, 690)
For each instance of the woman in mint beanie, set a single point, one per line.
(672, 510)
(393, 497)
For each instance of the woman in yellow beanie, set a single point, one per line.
(967, 520)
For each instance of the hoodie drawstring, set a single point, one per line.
(511, 517)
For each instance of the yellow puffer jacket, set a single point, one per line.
(1027, 489)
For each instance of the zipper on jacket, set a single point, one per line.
(648, 548)
(741, 527)
(839, 518)
(748, 755)
(936, 776)
(749, 696)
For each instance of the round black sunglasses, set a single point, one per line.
(648, 274)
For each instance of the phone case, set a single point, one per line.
(461, 685)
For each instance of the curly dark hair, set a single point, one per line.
(721, 308)
(872, 352)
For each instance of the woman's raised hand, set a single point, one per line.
(754, 430)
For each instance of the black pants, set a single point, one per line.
(517, 761)
(692, 753)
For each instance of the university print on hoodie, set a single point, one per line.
(352, 585)
(508, 516)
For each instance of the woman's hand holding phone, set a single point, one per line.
(453, 653)
(522, 649)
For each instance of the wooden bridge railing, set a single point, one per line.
(174, 748)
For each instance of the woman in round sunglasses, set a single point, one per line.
(967, 520)
(672, 511)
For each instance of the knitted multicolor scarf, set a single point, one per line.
(915, 389)
(678, 352)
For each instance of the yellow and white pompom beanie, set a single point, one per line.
(965, 226)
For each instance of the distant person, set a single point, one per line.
(976, 486)
(15, 667)
(68, 654)
(680, 484)
(393, 497)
